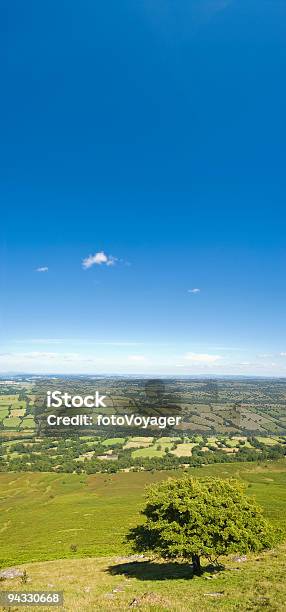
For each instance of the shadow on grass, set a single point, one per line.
(150, 570)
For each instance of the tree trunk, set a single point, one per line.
(196, 564)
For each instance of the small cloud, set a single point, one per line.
(194, 290)
(42, 269)
(202, 357)
(111, 261)
(282, 354)
(136, 358)
(98, 259)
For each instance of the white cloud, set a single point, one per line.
(111, 261)
(194, 290)
(37, 355)
(98, 259)
(42, 269)
(69, 362)
(282, 354)
(116, 343)
(201, 357)
(94, 362)
(40, 361)
(40, 341)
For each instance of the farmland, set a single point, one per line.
(16, 412)
(95, 454)
(214, 427)
(222, 406)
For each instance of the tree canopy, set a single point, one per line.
(189, 518)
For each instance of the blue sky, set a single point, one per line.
(148, 137)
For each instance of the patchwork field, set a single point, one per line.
(15, 414)
(220, 406)
(23, 451)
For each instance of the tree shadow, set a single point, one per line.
(152, 570)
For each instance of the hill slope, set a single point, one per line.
(122, 583)
(45, 516)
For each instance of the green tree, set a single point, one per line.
(190, 518)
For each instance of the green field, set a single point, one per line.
(184, 450)
(67, 531)
(11, 422)
(28, 422)
(120, 584)
(111, 441)
(8, 399)
(95, 512)
(267, 440)
(148, 452)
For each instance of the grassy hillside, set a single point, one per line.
(117, 583)
(53, 516)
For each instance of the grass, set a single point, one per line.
(11, 422)
(247, 444)
(148, 452)
(28, 422)
(79, 523)
(15, 436)
(143, 439)
(184, 450)
(168, 440)
(138, 442)
(116, 583)
(95, 512)
(18, 412)
(231, 442)
(267, 441)
(131, 444)
(8, 399)
(111, 441)
(3, 413)
(18, 404)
